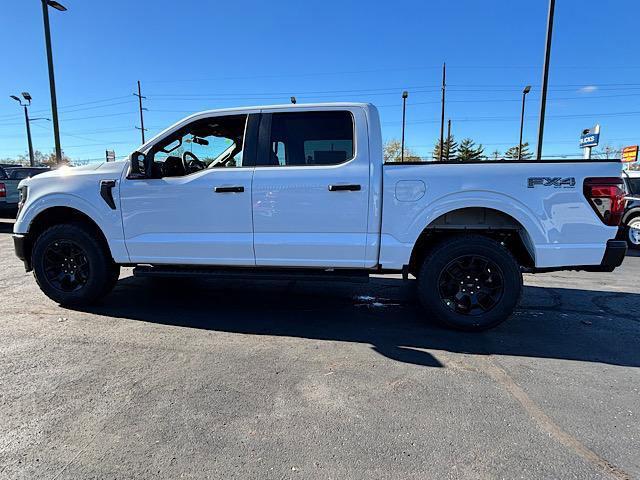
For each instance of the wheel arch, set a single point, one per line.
(489, 222)
(634, 212)
(56, 215)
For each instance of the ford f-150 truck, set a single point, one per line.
(302, 191)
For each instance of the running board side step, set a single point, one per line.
(257, 273)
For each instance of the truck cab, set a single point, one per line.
(273, 187)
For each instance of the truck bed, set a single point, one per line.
(558, 225)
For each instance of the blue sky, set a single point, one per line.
(194, 55)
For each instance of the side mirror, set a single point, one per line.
(139, 166)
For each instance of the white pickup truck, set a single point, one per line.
(302, 191)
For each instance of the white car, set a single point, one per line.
(301, 191)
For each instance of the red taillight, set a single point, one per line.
(606, 197)
(3, 190)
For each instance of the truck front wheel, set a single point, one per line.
(72, 266)
(470, 282)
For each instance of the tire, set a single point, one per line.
(114, 275)
(71, 266)
(469, 283)
(632, 232)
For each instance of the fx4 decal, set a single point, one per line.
(555, 182)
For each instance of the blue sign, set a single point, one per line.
(589, 140)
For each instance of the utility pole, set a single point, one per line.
(405, 94)
(444, 85)
(52, 81)
(526, 90)
(140, 97)
(545, 76)
(448, 138)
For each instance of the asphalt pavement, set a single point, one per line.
(277, 380)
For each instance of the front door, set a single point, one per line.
(197, 208)
(311, 189)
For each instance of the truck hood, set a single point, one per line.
(107, 170)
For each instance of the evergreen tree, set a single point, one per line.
(495, 155)
(512, 153)
(450, 151)
(469, 152)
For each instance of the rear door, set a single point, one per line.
(311, 188)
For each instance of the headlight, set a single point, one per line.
(23, 190)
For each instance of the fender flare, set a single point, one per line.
(532, 223)
(110, 224)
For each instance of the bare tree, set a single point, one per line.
(608, 152)
(393, 152)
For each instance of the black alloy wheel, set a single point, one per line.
(66, 266)
(72, 264)
(471, 285)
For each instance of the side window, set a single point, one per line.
(310, 138)
(216, 142)
(634, 186)
(20, 174)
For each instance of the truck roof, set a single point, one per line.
(289, 106)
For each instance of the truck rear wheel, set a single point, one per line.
(470, 283)
(71, 265)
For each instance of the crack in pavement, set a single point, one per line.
(546, 423)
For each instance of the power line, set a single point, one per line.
(506, 118)
(394, 69)
(395, 90)
(64, 108)
(501, 100)
(557, 142)
(488, 88)
(81, 118)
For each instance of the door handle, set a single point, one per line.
(234, 189)
(343, 188)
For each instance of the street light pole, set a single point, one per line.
(26, 119)
(27, 98)
(52, 81)
(526, 90)
(545, 76)
(405, 94)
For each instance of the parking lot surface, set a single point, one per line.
(272, 380)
